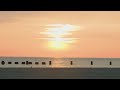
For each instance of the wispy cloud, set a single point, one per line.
(58, 31)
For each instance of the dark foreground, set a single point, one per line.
(60, 73)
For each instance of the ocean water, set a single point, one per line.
(61, 62)
(61, 68)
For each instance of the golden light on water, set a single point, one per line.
(56, 35)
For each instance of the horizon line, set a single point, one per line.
(50, 57)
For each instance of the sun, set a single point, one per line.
(58, 43)
(59, 35)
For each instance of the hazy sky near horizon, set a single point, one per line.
(98, 34)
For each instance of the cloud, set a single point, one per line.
(58, 31)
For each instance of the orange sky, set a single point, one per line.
(98, 36)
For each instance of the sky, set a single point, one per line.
(60, 33)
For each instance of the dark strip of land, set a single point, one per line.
(59, 73)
